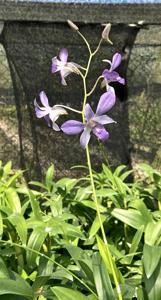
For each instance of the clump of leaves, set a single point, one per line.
(51, 244)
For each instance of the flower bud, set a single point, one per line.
(105, 32)
(72, 25)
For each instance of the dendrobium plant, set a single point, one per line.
(61, 65)
(91, 122)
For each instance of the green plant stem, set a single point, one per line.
(99, 44)
(90, 169)
(94, 194)
(53, 261)
(86, 42)
(101, 225)
(92, 90)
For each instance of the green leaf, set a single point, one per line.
(96, 226)
(108, 260)
(39, 184)
(92, 297)
(140, 295)
(35, 206)
(69, 230)
(63, 293)
(75, 252)
(12, 179)
(92, 205)
(102, 279)
(141, 207)
(35, 242)
(97, 277)
(86, 267)
(7, 169)
(13, 200)
(135, 243)
(118, 171)
(3, 270)
(153, 283)
(153, 233)
(68, 183)
(126, 174)
(151, 258)
(49, 177)
(130, 217)
(1, 225)
(18, 221)
(9, 286)
(127, 291)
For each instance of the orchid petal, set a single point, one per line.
(55, 112)
(63, 81)
(63, 54)
(121, 80)
(88, 112)
(40, 113)
(107, 60)
(116, 60)
(72, 127)
(113, 76)
(64, 73)
(53, 115)
(44, 99)
(55, 126)
(55, 65)
(103, 120)
(47, 119)
(106, 102)
(110, 75)
(37, 105)
(85, 137)
(101, 133)
(75, 64)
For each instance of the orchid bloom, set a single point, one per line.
(61, 65)
(51, 114)
(94, 121)
(109, 74)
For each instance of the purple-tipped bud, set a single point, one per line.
(106, 31)
(72, 25)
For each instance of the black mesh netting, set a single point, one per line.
(29, 48)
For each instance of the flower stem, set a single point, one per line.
(86, 42)
(67, 107)
(90, 167)
(92, 90)
(101, 226)
(99, 44)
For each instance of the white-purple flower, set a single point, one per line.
(109, 74)
(94, 121)
(51, 114)
(61, 65)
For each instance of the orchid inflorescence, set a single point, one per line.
(91, 122)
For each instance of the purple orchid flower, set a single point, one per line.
(94, 121)
(109, 74)
(51, 114)
(61, 65)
